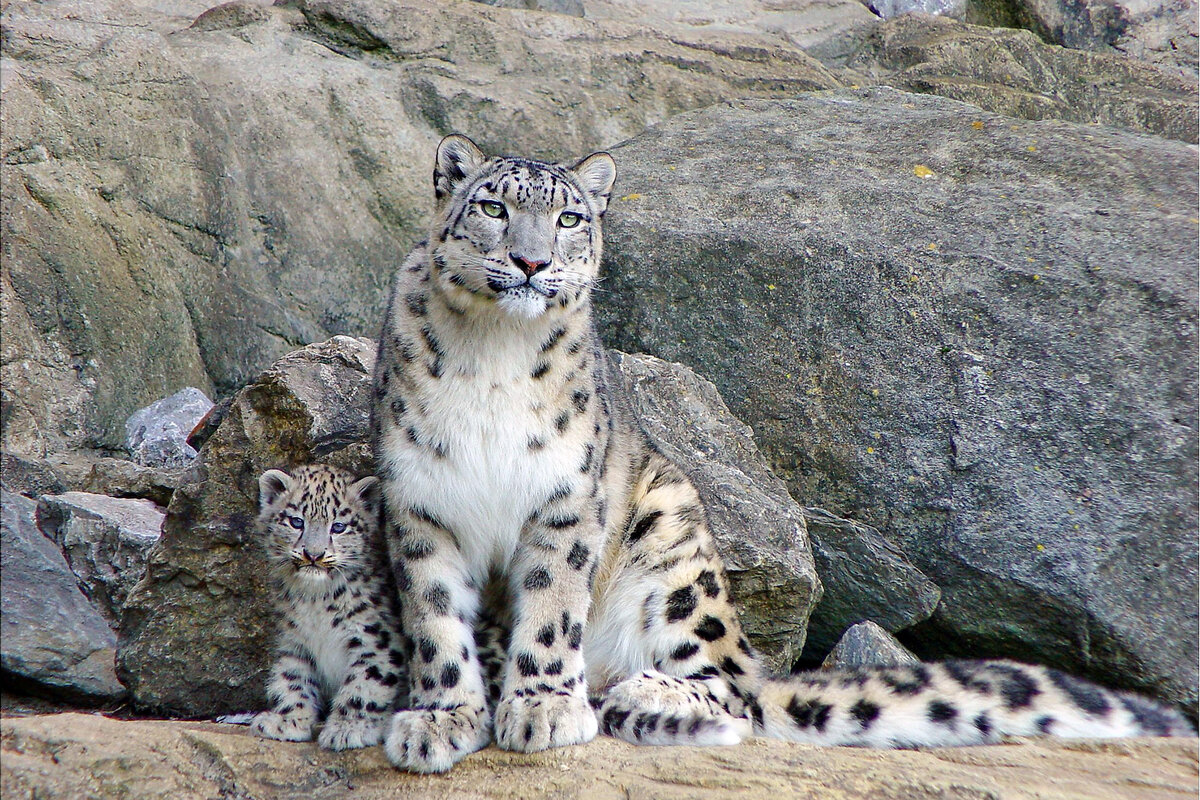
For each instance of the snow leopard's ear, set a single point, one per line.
(271, 485)
(457, 158)
(596, 175)
(367, 490)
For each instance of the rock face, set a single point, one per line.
(153, 224)
(104, 540)
(156, 436)
(975, 334)
(866, 577)
(78, 755)
(196, 633)
(866, 644)
(52, 636)
(759, 528)
(1012, 72)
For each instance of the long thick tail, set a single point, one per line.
(954, 703)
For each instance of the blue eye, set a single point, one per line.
(296, 522)
(337, 527)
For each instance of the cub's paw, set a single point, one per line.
(434, 741)
(271, 725)
(529, 724)
(347, 733)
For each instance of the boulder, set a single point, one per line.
(865, 577)
(1012, 72)
(1162, 32)
(196, 633)
(195, 639)
(81, 755)
(867, 644)
(53, 641)
(156, 436)
(28, 476)
(105, 540)
(155, 233)
(973, 333)
(759, 528)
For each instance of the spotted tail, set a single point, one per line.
(955, 703)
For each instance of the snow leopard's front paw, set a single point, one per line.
(530, 724)
(290, 728)
(345, 732)
(434, 741)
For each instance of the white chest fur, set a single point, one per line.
(483, 411)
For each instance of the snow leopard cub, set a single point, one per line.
(339, 646)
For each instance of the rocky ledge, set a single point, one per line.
(82, 755)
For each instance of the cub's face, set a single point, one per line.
(521, 235)
(318, 522)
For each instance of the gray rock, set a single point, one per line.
(758, 526)
(195, 636)
(156, 436)
(1163, 32)
(572, 8)
(1011, 72)
(28, 476)
(955, 9)
(865, 645)
(153, 244)
(105, 540)
(117, 477)
(974, 333)
(866, 577)
(52, 638)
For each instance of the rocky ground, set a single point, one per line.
(88, 756)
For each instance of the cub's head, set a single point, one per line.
(319, 523)
(521, 235)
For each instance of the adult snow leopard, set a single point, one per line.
(534, 528)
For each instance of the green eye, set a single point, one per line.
(492, 208)
(568, 220)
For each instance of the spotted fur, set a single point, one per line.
(533, 529)
(339, 641)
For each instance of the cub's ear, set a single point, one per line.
(271, 485)
(367, 490)
(596, 175)
(457, 158)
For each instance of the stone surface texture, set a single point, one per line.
(865, 577)
(156, 436)
(105, 540)
(69, 756)
(759, 528)
(50, 635)
(867, 644)
(975, 334)
(1012, 72)
(155, 232)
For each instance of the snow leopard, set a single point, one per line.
(557, 572)
(339, 642)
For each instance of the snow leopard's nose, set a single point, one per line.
(528, 265)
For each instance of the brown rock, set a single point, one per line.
(72, 756)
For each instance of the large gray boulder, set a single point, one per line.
(156, 436)
(155, 232)
(1014, 73)
(52, 639)
(196, 633)
(975, 334)
(105, 540)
